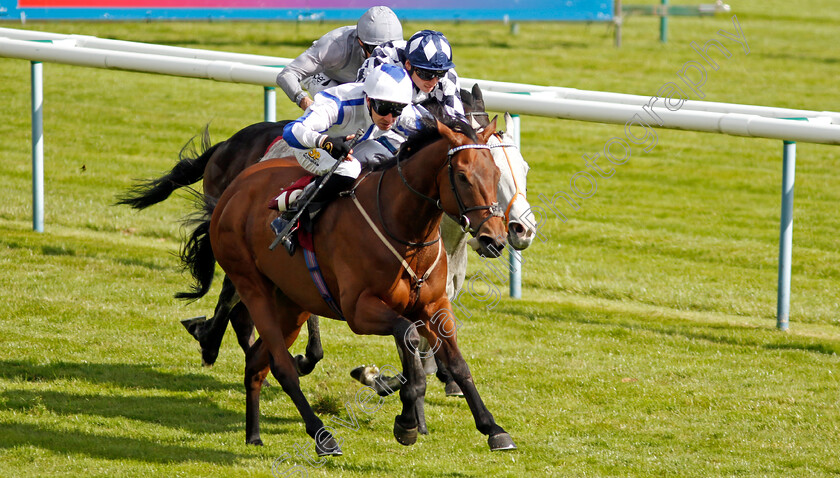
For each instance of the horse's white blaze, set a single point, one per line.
(511, 190)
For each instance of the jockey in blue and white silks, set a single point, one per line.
(380, 107)
(427, 57)
(335, 58)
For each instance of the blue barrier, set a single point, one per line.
(568, 10)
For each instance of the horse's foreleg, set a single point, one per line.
(451, 386)
(374, 317)
(314, 352)
(412, 394)
(446, 349)
(256, 368)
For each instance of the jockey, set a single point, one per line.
(335, 58)
(427, 57)
(380, 107)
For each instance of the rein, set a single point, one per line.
(418, 281)
(463, 220)
(495, 211)
(463, 209)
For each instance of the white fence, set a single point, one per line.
(615, 108)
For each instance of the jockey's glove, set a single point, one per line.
(337, 146)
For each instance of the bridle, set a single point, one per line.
(462, 219)
(513, 175)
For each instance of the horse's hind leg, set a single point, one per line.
(209, 333)
(242, 325)
(279, 322)
(314, 352)
(257, 360)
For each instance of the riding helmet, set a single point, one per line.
(379, 25)
(429, 50)
(389, 83)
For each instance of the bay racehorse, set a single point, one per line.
(382, 285)
(219, 164)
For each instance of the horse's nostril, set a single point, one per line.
(517, 228)
(491, 247)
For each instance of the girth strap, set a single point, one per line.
(417, 280)
(320, 284)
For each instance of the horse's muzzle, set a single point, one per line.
(487, 245)
(519, 236)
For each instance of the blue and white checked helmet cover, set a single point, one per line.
(429, 50)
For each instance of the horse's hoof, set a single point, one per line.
(208, 358)
(193, 323)
(405, 436)
(330, 448)
(501, 441)
(366, 374)
(254, 441)
(453, 390)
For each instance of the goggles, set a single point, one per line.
(384, 108)
(427, 75)
(367, 48)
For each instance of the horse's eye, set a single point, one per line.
(463, 178)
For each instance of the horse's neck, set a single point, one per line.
(412, 217)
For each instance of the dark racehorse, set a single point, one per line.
(216, 166)
(444, 168)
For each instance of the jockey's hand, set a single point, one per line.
(305, 102)
(337, 146)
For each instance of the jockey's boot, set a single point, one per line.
(288, 201)
(278, 225)
(310, 194)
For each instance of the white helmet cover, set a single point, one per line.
(389, 83)
(379, 25)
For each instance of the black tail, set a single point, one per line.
(197, 253)
(188, 170)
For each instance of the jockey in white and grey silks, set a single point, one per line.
(427, 56)
(380, 107)
(335, 58)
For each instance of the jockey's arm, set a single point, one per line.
(308, 131)
(322, 55)
(451, 88)
(382, 54)
(301, 67)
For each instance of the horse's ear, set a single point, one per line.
(488, 131)
(510, 125)
(478, 98)
(447, 133)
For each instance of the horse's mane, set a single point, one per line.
(426, 135)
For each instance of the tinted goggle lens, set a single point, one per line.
(368, 48)
(427, 75)
(384, 108)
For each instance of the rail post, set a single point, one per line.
(786, 236)
(515, 257)
(270, 100)
(37, 73)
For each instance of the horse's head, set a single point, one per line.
(513, 186)
(468, 192)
